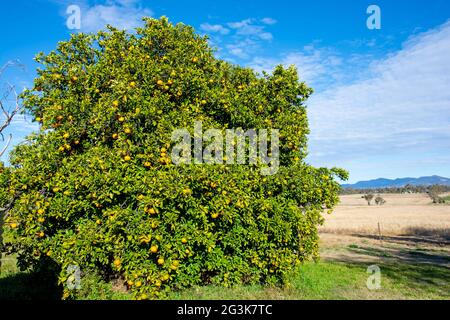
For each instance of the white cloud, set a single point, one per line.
(122, 14)
(214, 28)
(247, 27)
(401, 106)
(318, 67)
(239, 39)
(268, 21)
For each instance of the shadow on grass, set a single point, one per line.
(439, 240)
(29, 286)
(409, 256)
(418, 271)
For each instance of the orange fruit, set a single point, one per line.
(184, 241)
(154, 249)
(161, 261)
(215, 215)
(127, 158)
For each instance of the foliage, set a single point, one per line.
(95, 187)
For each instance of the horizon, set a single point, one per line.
(381, 101)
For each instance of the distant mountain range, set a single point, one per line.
(388, 183)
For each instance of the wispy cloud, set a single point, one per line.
(122, 14)
(268, 21)
(401, 105)
(239, 39)
(213, 28)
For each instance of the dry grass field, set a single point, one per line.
(403, 214)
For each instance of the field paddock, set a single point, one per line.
(408, 238)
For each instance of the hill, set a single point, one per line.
(400, 182)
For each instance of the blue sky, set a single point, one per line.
(381, 106)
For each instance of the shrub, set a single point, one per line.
(368, 197)
(379, 201)
(95, 187)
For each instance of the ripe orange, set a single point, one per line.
(13, 225)
(121, 119)
(117, 262)
(161, 261)
(138, 284)
(41, 220)
(99, 222)
(127, 130)
(132, 84)
(154, 249)
(160, 82)
(41, 234)
(184, 241)
(115, 103)
(215, 215)
(40, 211)
(115, 136)
(147, 164)
(127, 158)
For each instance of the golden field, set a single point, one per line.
(403, 214)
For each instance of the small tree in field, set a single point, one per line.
(379, 201)
(7, 113)
(96, 188)
(368, 197)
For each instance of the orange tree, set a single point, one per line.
(95, 187)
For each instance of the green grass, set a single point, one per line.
(323, 280)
